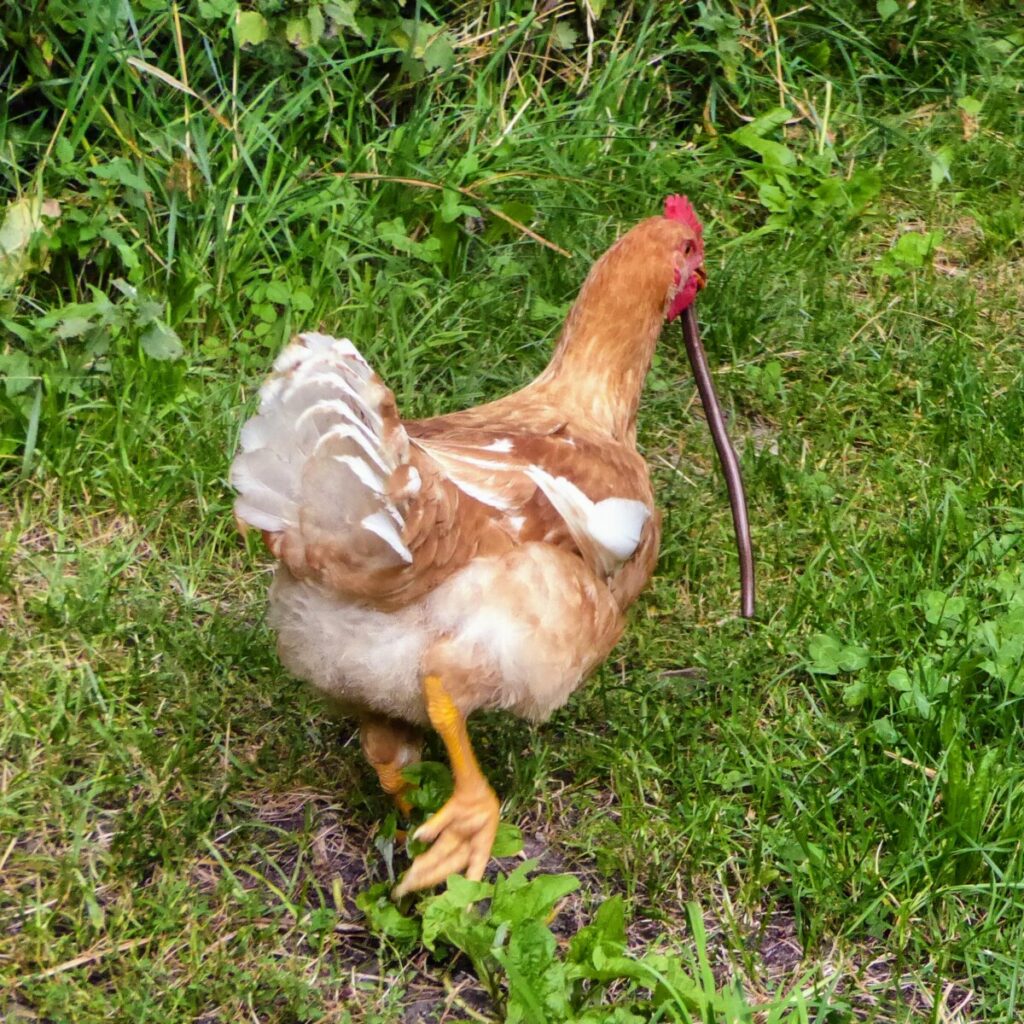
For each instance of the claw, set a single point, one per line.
(463, 834)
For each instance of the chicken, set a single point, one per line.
(481, 559)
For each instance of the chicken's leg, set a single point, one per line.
(463, 830)
(390, 745)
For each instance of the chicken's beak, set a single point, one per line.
(702, 277)
(726, 454)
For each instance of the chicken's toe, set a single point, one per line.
(462, 833)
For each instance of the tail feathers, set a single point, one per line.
(316, 460)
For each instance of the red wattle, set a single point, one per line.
(685, 296)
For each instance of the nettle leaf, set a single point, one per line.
(16, 372)
(1010, 588)
(159, 341)
(393, 233)
(863, 186)
(73, 327)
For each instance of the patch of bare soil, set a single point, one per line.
(759, 947)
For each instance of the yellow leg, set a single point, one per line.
(463, 830)
(389, 746)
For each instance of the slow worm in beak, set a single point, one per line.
(726, 455)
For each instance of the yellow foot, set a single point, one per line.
(390, 746)
(462, 833)
(394, 784)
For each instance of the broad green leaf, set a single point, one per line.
(343, 13)
(823, 651)
(385, 918)
(854, 694)
(121, 171)
(73, 326)
(64, 150)
(899, 680)
(16, 372)
(563, 35)
(537, 984)
(852, 658)
(773, 198)
(279, 292)
(299, 32)
(913, 250)
(768, 122)
(829, 656)
(251, 28)
(213, 8)
(887, 8)
(885, 732)
(942, 160)
(941, 609)
(161, 342)
(23, 220)
(317, 24)
(431, 784)
(774, 154)
(517, 900)
(598, 950)
(452, 207)
(450, 917)
(508, 842)
(439, 54)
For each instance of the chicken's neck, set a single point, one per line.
(604, 352)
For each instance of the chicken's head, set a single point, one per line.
(689, 272)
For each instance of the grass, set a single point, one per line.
(816, 817)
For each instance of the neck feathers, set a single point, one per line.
(606, 346)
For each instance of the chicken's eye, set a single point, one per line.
(687, 248)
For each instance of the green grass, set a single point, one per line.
(817, 816)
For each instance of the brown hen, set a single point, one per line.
(482, 559)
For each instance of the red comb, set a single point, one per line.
(679, 208)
